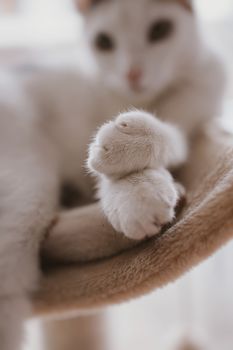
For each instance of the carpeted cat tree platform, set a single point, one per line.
(88, 266)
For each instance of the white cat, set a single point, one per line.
(147, 54)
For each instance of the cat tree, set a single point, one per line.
(88, 266)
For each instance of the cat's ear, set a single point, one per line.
(84, 5)
(187, 4)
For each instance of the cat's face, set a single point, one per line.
(140, 46)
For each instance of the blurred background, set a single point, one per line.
(198, 307)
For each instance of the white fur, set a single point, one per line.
(138, 195)
(139, 204)
(48, 116)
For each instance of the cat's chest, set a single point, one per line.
(72, 108)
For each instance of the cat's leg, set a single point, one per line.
(137, 205)
(196, 101)
(28, 198)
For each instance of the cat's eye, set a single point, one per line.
(104, 42)
(160, 30)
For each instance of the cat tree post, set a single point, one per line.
(78, 333)
(115, 270)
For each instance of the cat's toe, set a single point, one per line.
(181, 190)
(139, 230)
(134, 123)
(144, 221)
(134, 228)
(94, 157)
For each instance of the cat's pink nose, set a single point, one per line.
(134, 75)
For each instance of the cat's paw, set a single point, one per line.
(140, 205)
(137, 123)
(131, 142)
